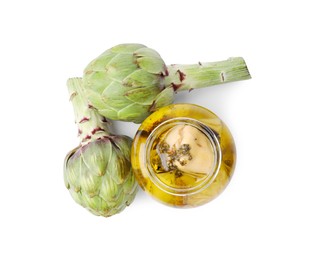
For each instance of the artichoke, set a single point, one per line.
(98, 172)
(130, 81)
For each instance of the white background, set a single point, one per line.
(263, 214)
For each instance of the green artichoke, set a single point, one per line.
(130, 81)
(98, 172)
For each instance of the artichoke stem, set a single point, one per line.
(91, 125)
(189, 77)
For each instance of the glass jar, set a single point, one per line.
(183, 155)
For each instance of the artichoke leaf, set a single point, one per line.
(134, 112)
(97, 81)
(147, 52)
(124, 143)
(114, 96)
(93, 203)
(90, 183)
(119, 167)
(74, 170)
(96, 157)
(152, 65)
(166, 97)
(77, 197)
(127, 186)
(120, 66)
(140, 78)
(100, 62)
(104, 109)
(142, 95)
(109, 190)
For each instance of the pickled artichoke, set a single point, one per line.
(130, 81)
(98, 172)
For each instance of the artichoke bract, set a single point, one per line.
(130, 81)
(98, 172)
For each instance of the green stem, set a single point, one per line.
(188, 77)
(91, 125)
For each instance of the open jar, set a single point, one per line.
(183, 155)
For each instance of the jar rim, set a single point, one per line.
(204, 182)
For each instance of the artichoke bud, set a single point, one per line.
(125, 82)
(98, 172)
(99, 175)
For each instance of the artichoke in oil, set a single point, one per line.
(130, 81)
(98, 172)
(183, 155)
